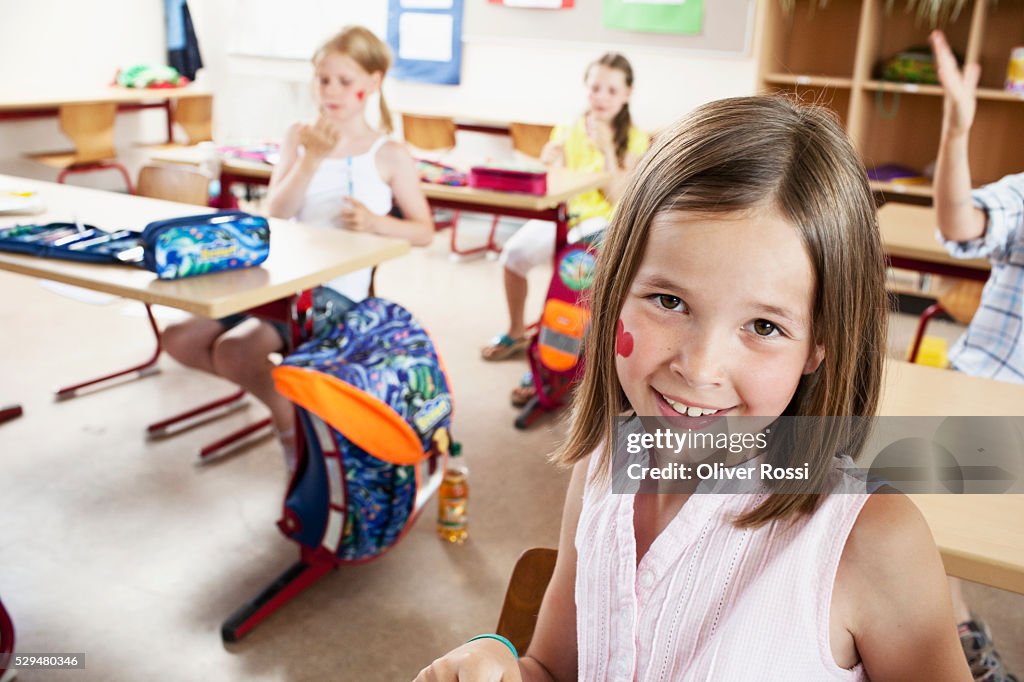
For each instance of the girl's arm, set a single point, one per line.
(416, 225)
(620, 175)
(552, 653)
(897, 604)
(959, 219)
(292, 174)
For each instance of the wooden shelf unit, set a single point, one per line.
(831, 56)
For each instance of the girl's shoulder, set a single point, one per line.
(390, 152)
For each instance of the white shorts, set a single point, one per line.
(534, 243)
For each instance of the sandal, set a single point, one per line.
(503, 347)
(524, 392)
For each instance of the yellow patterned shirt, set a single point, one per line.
(582, 155)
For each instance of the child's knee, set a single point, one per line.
(179, 341)
(518, 261)
(241, 359)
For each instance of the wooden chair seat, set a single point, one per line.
(530, 138)
(91, 129)
(194, 115)
(184, 184)
(526, 588)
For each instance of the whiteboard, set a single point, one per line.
(294, 30)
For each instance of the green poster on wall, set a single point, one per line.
(655, 16)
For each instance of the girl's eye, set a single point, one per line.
(668, 302)
(765, 328)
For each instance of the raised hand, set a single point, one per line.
(960, 88)
(318, 139)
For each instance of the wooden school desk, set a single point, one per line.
(301, 256)
(908, 236)
(980, 537)
(44, 104)
(562, 185)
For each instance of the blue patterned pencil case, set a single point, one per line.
(202, 244)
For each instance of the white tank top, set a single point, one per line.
(708, 601)
(335, 179)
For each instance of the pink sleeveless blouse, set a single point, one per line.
(709, 601)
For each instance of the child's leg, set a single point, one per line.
(191, 342)
(240, 355)
(531, 245)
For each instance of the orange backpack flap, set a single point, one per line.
(561, 334)
(365, 420)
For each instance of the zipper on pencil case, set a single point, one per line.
(153, 230)
(101, 239)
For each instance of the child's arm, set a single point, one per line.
(603, 137)
(552, 653)
(416, 224)
(891, 594)
(958, 218)
(292, 174)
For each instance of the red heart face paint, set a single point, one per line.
(623, 341)
(360, 95)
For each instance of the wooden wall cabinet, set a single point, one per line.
(830, 55)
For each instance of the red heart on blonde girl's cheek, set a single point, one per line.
(623, 341)
(360, 95)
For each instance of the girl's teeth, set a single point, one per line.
(688, 410)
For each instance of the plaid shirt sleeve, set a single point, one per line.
(1003, 201)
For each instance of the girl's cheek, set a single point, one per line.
(623, 341)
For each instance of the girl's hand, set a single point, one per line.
(355, 216)
(553, 153)
(482, 660)
(959, 88)
(601, 134)
(319, 139)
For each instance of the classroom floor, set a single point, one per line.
(128, 551)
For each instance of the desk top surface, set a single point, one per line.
(562, 184)
(909, 231)
(981, 537)
(301, 256)
(52, 97)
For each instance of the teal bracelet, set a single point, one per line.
(503, 640)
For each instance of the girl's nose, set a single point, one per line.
(701, 360)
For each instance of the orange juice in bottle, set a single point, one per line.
(452, 520)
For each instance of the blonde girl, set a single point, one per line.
(337, 171)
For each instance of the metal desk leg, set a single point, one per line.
(147, 368)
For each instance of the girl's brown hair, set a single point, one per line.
(366, 50)
(756, 153)
(623, 122)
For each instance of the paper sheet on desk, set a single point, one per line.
(14, 201)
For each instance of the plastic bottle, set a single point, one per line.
(452, 520)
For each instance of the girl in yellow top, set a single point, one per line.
(602, 139)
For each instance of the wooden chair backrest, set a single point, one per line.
(526, 588)
(961, 300)
(195, 116)
(530, 138)
(91, 129)
(184, 184)
(429, 132)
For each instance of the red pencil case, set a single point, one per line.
(509, 180)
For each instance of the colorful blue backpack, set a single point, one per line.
(374, 410)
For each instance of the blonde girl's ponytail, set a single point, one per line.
(386, 123)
